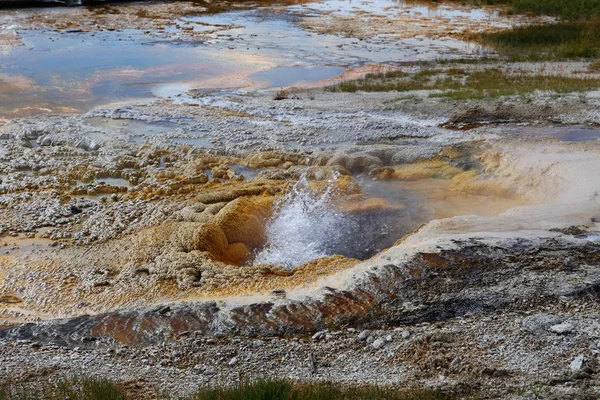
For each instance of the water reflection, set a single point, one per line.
(257, 48)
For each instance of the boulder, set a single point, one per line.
(356, 163)
(539, 323)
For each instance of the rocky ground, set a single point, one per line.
(129, 233)
(76, 188)
(509, 317)
(540, 341)
(89, 185)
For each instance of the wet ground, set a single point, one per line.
(66, 65)
(158, 192)
(562, 133)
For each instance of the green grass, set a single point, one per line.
(281, 389)
(576, 35)
(461, 84)
(565, 40)
(388, 81)
(286, 390)
(75, 389)
(571, 9)
(493, 83)
(567, 9)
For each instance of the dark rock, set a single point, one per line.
(164, 310)
(500, 373)
(580, 375)
(571, 230)
(75, 210)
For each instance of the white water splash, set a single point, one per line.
(306, 225)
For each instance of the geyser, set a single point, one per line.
(308, 224)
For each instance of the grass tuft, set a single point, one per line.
(565, 40)
(266, 389)
(570, 9)
(281, 94)
(75, 389)
(575, 35)
(261, 390)
(286, 390)
(460, 84)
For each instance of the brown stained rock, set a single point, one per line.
(219, 172)
(10, 299)
(296, 314)
(182, 235)
(256, 315)
(236, 254)
(211, 238)
(238, 226)
(434, 260)
(228, 194)
(369, 205)
(355, 163)
(385, 173)
(131, 328)
(475, 278)
(243, 220)
(344, 185)
(120, 328)
(270, 159)
(500, 113)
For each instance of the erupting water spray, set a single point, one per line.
(306, 225)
